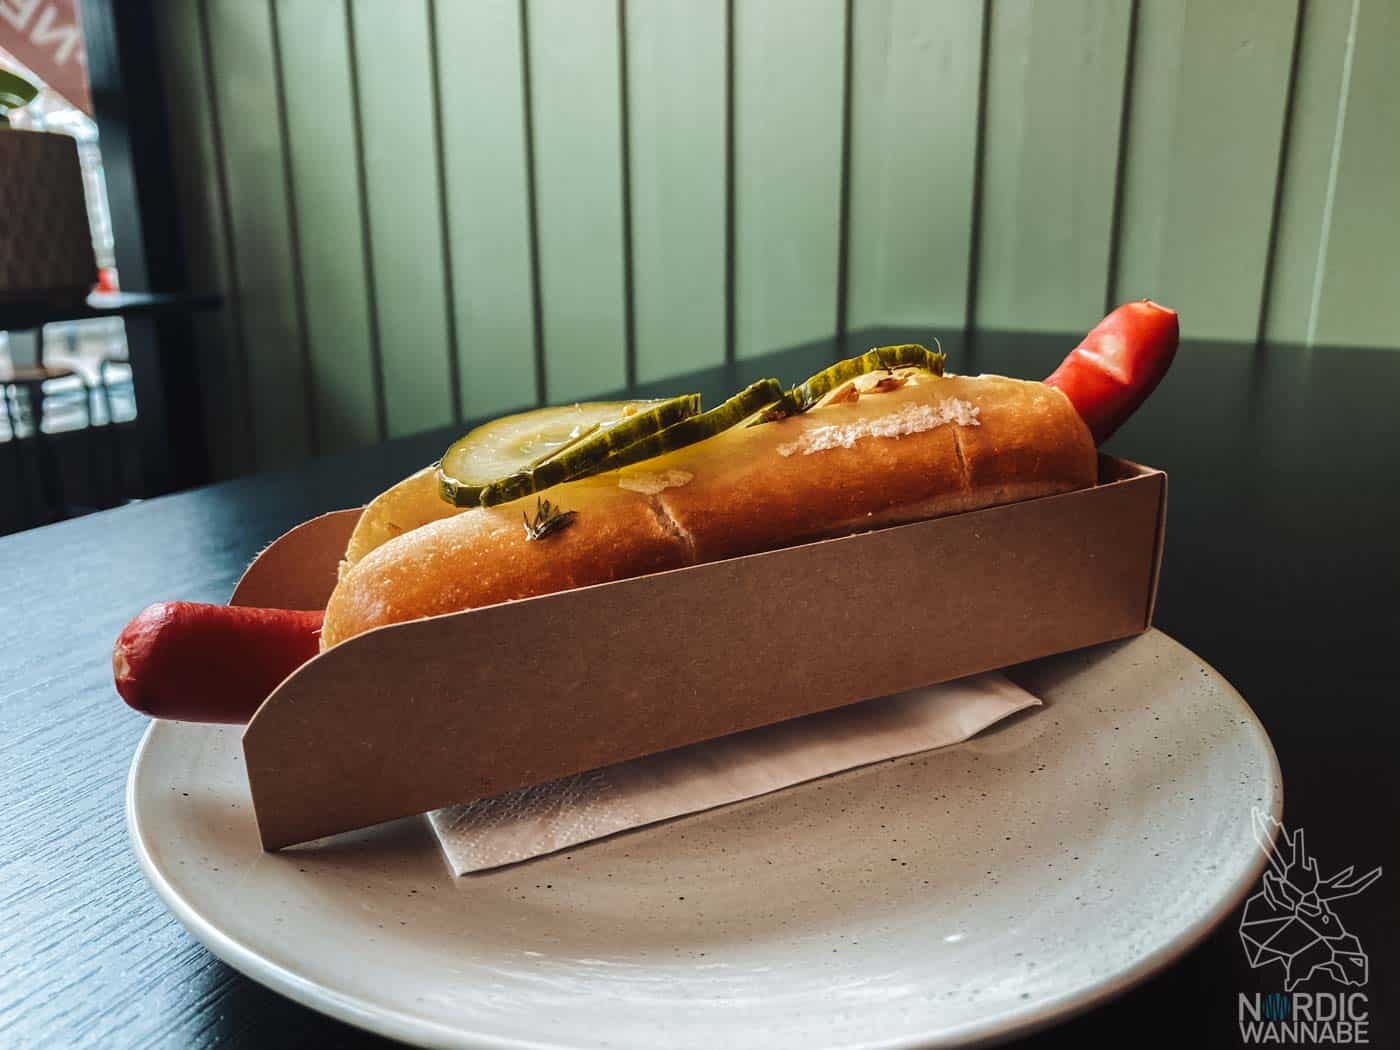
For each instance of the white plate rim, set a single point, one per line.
(994, 1029)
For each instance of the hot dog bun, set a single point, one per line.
(931, 447)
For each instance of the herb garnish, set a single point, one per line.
(549, 519)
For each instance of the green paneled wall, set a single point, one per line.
(1355, 294)
(917, 67)
(1308, 165)
(676, 61)
(321, 143)
(1210, 84)
(1055, 80)
(393, 74)
(244, 92)
(789, 70)
(577, 98)
(431, 210)
(483, 157)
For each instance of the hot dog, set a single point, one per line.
(209, 663)
(885, 450)
(931, 447)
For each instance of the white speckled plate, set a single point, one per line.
(953, 897)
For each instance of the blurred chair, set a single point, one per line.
(114, 358)
(31, 389)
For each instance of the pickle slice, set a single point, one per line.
(516, 443)
(698, 428)
(585, 454)
(803, 396)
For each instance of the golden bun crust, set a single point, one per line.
(1025, 440)
(482, 556)
(932, 447)
(401, 508)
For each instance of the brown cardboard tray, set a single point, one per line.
(413, 716)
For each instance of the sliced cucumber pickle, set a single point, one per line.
(698, 428)
(516, 443)
(519, 455)
(586, 454)
(887, 358)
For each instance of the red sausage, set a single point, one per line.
(210, 663)
(1118, 364)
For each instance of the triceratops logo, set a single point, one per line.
(1291, 922)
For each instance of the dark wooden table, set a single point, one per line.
(1281, 570)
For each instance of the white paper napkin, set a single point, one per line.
(535, 821)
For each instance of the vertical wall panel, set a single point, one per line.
(240, 36)
(1359, 296)
(1054, 103)
(676, 70)
(321, 138)
(1210, 87)
(396, 115)
(788, 91)
(483, 117)
(914, 137)
(1307, 169)
(227, 421)
(578, 164)
(1203, 147)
